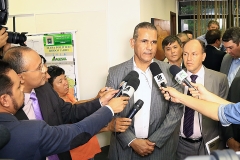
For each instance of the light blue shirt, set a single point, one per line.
(233, 70)
(229, 113)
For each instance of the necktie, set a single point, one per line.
(35, 105)
(189, 115)
(38, 115)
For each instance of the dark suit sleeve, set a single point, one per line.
(57, 139)
(233, 131)
(52, 105)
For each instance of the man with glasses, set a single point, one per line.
(41, 101)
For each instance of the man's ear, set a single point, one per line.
(4, 100)
(132, 42)
(21, 78)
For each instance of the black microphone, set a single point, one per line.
(5, 136)
(136, 107)
(158, 75)
(180, 75)
(131, 87)
(124, 82)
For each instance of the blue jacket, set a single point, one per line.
(35, 140)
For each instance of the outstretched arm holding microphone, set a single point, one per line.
(209, 104)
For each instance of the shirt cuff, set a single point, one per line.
(222, 116)
(131, 142)
(110, 109)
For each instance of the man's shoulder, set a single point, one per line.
(215, 74)
(122, 65)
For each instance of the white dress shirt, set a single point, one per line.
(142, 118)
(197, 125)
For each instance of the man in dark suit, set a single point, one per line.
(35, 139)
(153, 133)
(214, 56)
(32, 72)
(193, 137)
(230, 66)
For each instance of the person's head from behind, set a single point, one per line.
(58, 80)
(212, 24)
(193, 55)
(11, 90)
(144, 42)
(45, 64)
(172, 47)
(213, 37)
(28, 65)
(231, 40)
(189, 34)
(183, 37)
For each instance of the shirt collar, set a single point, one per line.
(200, 73)
(135, 66)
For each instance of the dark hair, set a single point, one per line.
(54, 71)
(213, 35)
(187, 32)
(143, 25)
(14, 57)
(43, 58)
(233, 34)
(5, 81)
(213, 22)
(169, 40)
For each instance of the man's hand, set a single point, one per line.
(119, 124)
(107, 96)
(142, 147)
(102, 91)
(118, 104)
(3, 37)
(233, 144)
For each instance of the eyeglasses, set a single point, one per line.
(41, 68)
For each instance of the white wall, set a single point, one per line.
(103, 31)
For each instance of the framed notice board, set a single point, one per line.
(58, 49)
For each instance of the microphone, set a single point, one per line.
(124, 82)
(131, 87)
(5, 136)
(180, 75)
(136, 107)
(158, 75)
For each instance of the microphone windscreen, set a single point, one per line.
(139, 104)
(4, 136)
(155, 69)
(131, 74)
(134, 82)
(174, 70)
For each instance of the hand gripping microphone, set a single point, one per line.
(131, 87)
(180, 75)
(124, 82)
(4, 136)
(158, 75)
(136, 107)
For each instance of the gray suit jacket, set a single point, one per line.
(216, 83)
(164, 119)
(226, 64)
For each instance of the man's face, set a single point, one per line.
(173, 52)
(213, 26)
(193, 56)
(232, 48)
(17, 97)
(60, 85)
(34, 74)
(145, 46)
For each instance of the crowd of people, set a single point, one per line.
(45, 120)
